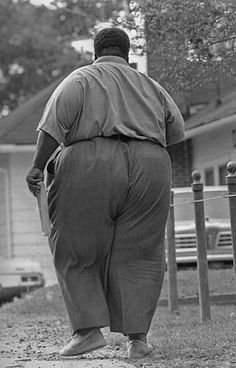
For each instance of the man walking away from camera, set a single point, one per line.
(109, 199)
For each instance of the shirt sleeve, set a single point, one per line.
(62, 110)
(175, 127)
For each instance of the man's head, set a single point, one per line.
(111, 41)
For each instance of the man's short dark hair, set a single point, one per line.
(112, 41)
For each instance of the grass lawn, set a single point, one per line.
(220, 281)
(179, 339)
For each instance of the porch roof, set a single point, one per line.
(19, 127)
(214, 112)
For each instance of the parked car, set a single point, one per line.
(18, 276)
(217, 225)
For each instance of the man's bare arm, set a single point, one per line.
(46, 145)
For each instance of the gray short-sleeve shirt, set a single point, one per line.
(109, 97)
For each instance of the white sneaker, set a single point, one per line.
(84, 344)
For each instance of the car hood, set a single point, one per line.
(189, 225)
(15, 265)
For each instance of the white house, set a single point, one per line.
(20, 229)
(213, 135)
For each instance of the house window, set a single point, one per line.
(209, 176)
(222, 174)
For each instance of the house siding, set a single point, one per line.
(214, 149)
(27, 240)
(5, 249)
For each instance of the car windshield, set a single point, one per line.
(214, 209)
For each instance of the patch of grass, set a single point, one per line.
(44, 301)
(221, 281)
(181, 337)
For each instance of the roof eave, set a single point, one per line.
(200, 129)
(9, 148)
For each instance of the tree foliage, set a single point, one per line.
(35, 43)
(190, 42)
(32, 54)
(75, 18)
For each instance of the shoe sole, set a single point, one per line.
(138, 356)
(92, 347)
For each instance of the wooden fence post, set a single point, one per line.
(171, 258)
(202, 265)
(231, 182)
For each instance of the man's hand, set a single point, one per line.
(34, 177)
(46, 145)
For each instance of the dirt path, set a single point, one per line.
(32, 330)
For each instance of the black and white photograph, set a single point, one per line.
(117, 183)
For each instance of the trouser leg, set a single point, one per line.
(137, 262)
(81, 209)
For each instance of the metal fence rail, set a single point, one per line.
(224, 196)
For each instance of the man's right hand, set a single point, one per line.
(33, 178)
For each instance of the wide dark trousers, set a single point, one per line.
(108, 204)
